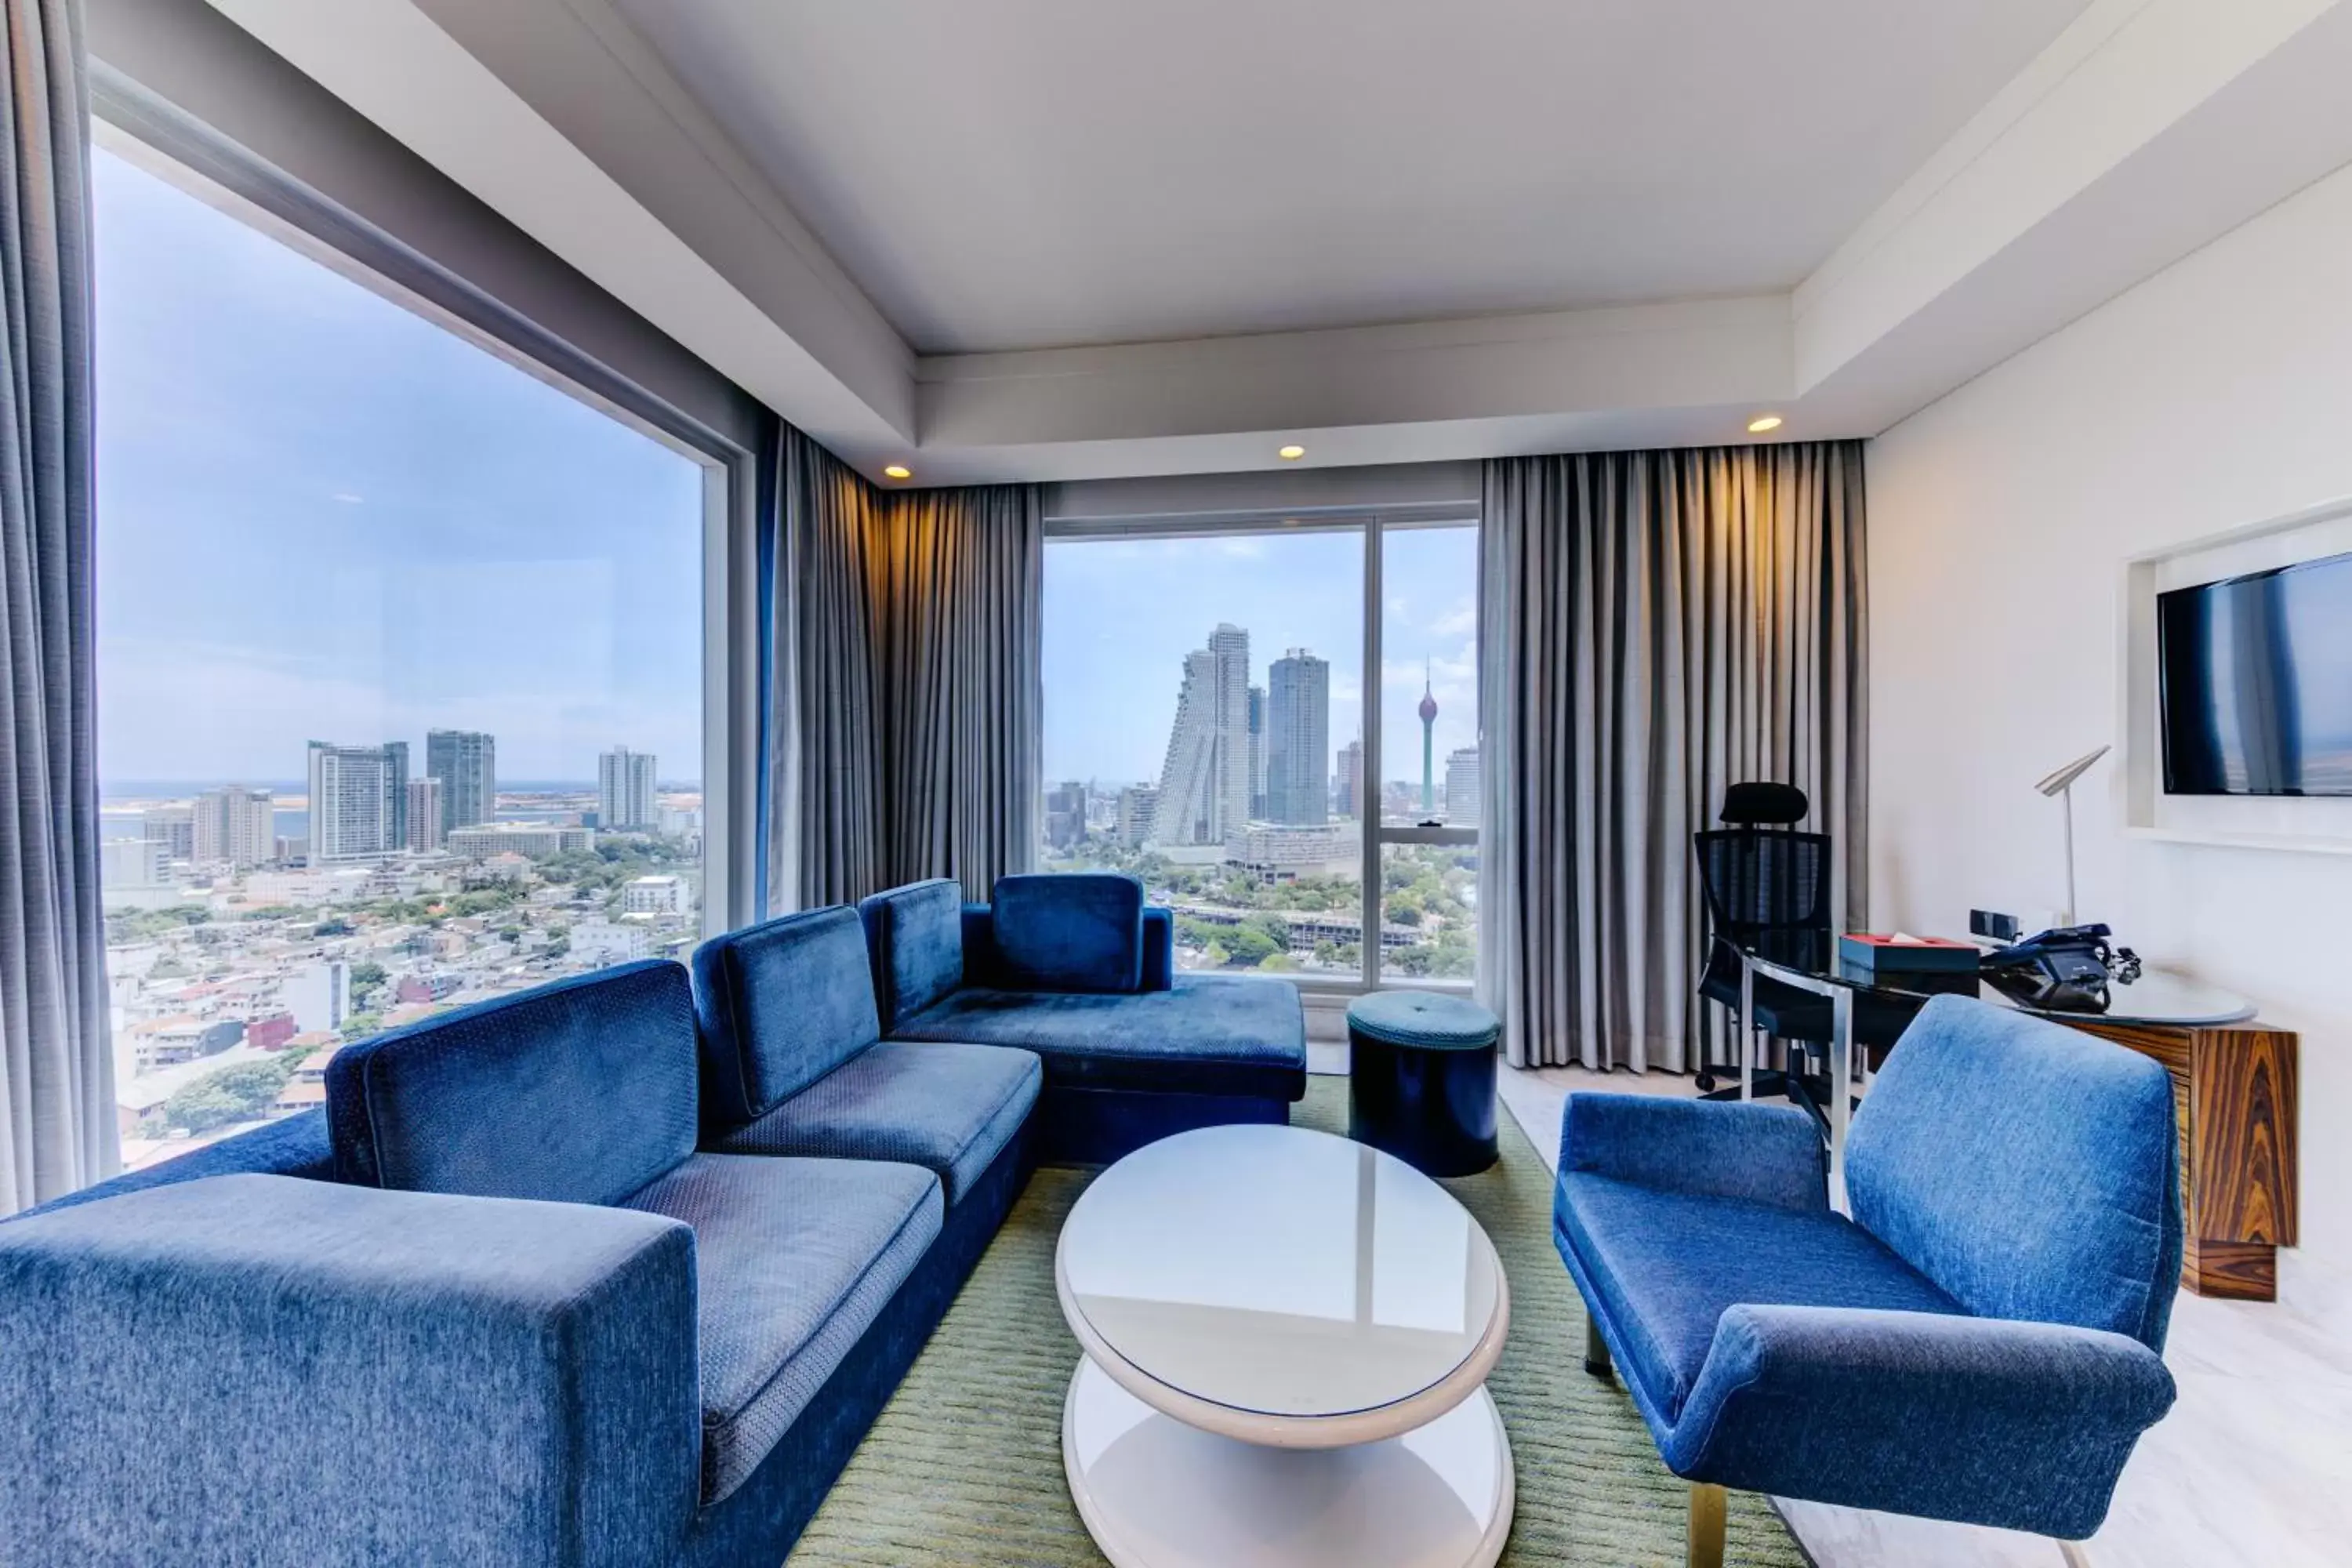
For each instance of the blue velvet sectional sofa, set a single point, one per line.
(615, 1272)
(1077, 969)
(1981, 1341)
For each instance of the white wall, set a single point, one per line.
(2216, 393)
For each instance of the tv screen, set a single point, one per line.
(2257, 683)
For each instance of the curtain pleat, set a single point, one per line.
(905, 741)
(1655, 627)
(57, 1077)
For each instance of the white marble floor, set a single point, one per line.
(2252, 1466)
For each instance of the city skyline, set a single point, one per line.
(1122, 615)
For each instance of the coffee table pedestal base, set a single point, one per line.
(1155, 1493)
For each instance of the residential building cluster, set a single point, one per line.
(238, 958)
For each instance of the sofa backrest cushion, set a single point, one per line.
(579, 1092)
(2029, 1169)
(915, 934)
(1069, 932)
(780, 1005)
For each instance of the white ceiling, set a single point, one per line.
(1025, 174)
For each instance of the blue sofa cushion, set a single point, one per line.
(793, 1260)
(915, 934)
(1069, 932)
(950, 1108)
(779, 1004)
(2027, 1168)
(1667, 1264)
(1205, 1034)
(580, 1091)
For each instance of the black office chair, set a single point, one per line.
(1768, 891)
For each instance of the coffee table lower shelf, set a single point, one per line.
(1156, 1493)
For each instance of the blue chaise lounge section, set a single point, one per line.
(1077, 969)
(1980, 1341)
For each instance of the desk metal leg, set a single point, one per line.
(1747, 1031)
(1841, 1106)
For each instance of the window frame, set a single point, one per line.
(1372, 522)
(138, 125)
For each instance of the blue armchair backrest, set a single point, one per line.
(915, 934)
(580, 1091)
(779, 1004)
(2029, 1169)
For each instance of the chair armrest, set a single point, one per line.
(1159, 948)
(1765, 1153)
(1991, 1421)
(268, 1370)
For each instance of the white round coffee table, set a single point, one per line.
(1287, 1337)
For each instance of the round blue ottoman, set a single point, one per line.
(1420, 1079)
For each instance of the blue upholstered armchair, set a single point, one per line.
(1981, 1341)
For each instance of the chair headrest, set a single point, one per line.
(1775, 805)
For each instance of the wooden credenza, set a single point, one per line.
(2233, 1093)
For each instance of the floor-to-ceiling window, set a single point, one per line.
(1235, 712)
(400, 666)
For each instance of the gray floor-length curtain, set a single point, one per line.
(56, 1076)
(904, 740)
(1656, 625)
(962, 662)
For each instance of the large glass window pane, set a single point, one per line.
(399, 667)
(1202, 696)
(1430, 765)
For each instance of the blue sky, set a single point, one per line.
(321, 516)
(1121, 614)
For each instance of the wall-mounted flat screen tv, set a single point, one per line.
(2257, 683)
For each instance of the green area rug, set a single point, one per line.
(965, 1465)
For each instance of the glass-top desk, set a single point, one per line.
(2156, 999)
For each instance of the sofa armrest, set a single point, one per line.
(1159, 948)
(1728, 1149)
(2024, 1425)
(268, 1370)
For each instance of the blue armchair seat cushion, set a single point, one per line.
(793, 1261)
(1666, 1266)
(1204, 1035)
(1068, 932)
(950, 1108)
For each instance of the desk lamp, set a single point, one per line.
(2061, 784)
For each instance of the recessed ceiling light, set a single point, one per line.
(900, 471)
(1763, 422)
(1291, 454)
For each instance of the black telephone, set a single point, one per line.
(2062, 971)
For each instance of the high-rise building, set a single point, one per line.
(359, 801)
(234, 826)
(318, 995)
(1462, 787)
(1137, 805)
(174, 827)
(624, 792)
(129, 863)
(1257, 751)
(467, 764)
(428, 825)
(1298, 740)
(1204, 784)
(1066, 815)
(1352, 779)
